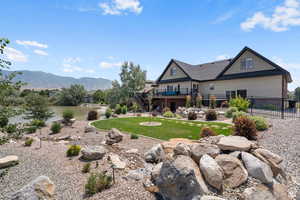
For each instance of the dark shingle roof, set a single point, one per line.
(204, 72)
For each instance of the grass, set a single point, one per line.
(170, 128)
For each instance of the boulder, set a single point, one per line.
(93, 152)
(182, 149)
(211, 139)
(257, 168)
(235, 173)
(155, 154)
(258, 192)
(8, 161)
(116, 161)
(88, 129)
(40, 188)
(200, 149)
(150, 187)
(180, 179)
(269, 155)
(211, 198)
(155, 172)
(212, 172)
(236, 154)
(114, 136)
(137, 174)
(234, 143)
(280, 192)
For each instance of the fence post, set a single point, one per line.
(282, 108)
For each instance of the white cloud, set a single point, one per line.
(32, 43)
(40, 52)
(222, 57)
(15, 55)
(119, 7)
(226, 16)
(69, 65)
(107, 65)
(72, 60)
(283, 17)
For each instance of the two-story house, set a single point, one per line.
(249, 74)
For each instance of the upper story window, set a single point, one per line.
(173, 71)
(247, 64)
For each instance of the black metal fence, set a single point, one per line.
(275, 107)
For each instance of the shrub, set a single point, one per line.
(11, 128)
(3, 121)
(55, 127)
(192, 116)
(139, 114)
(97, 182)
(238, 114)
(28, 142)
(225, 104)
(134, 136)
(244, 126)
(118, 109)
(168, 114)
(3, 140)
(178, 116)
(207, 132)
(212, 102)
(211, 115)
(124, 109)
(230, 111)
(135, 107)
(240, 103)
(260, 123)
(92, 115)
(30, 129)
(199, 101)
(86, 168)
(188, 100)
(68, 115)
(73, 150)
(154, 114)
(166, 109)
(108, 113)
(38, 123)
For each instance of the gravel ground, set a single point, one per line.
(283, 138)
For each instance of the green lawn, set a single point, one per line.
(170, 128)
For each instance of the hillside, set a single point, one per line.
(43, 80)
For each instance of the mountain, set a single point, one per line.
(43, 80)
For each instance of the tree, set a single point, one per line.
(72, 96)
(297, 93)
(99, 96)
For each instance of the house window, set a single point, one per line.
(247, 64)
(234, 93)
(211, 86)
(170, 88)
(173, 71)
(242, 93)
(230, 94)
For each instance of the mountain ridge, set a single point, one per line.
(46, 80)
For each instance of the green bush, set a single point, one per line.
(212, 102)
(260, 123)
(55, 127)
(192, 116)
(166, 109)
(3, 121)
(134, 136)
(30, 129)
(108, 113)
(168, 114)
(97, 182)
(28, 142)
(92, 115)
(211, 115)
(240, 103)
(38, 123)
(68, 115)
(73, 150)
(11, 128)
(230, 111)
(118, 109)
(124, 109)
(86, 168)
(238, 114)
(243, 126)
(3, 140)
(207, 132)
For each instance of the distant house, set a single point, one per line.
(248, 74)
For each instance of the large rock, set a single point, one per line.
(182, 149)
(269, 155)
(200, 149)
(93, 152)
(258, 192)
(155, 154)
(234, 143)
(257, 168)
(280, 192)
(116, 161)
(211, 198)
(155, 172)
(88, 129)
(212, 172)
(234, 172)
(113, 136)
(8, 161)
(42, 188)
(181, 179)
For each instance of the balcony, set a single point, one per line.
(181, 92)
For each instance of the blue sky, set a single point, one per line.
(91, 38)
